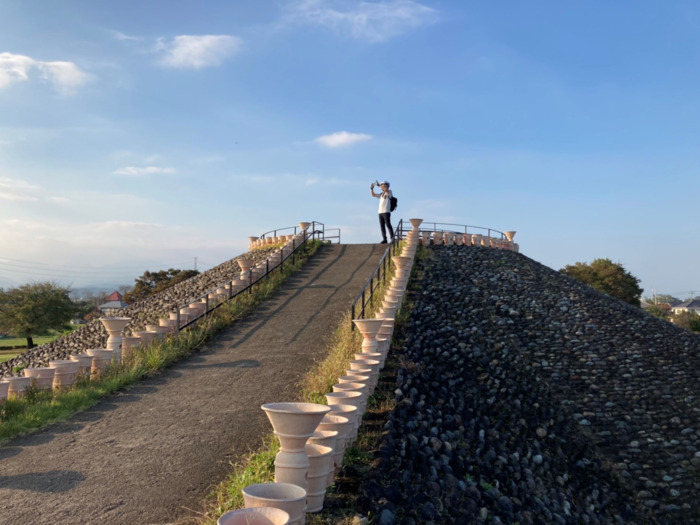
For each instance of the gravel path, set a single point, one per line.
(150, 453)
(525, 397)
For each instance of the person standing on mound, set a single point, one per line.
(384, 208)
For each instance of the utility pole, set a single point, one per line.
(195, 264)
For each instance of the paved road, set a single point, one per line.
(148, 455)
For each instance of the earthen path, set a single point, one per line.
(149, 454)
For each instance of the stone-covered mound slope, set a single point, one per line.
(524, 396)
(147, 311)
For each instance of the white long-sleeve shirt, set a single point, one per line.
(385, 201)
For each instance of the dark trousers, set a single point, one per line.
(385, 222)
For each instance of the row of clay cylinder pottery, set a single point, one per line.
(249, 273)
(121, 345)
(313, 437)
(468, 239)
(260, 242)
(61, 374)
(154, 332)
(302, 468)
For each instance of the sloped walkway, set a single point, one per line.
(149, 454)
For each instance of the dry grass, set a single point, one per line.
(23, 415)
(344, 343)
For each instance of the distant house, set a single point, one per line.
(691, 305)
(115, 296)
(114, 303)
(661, 306)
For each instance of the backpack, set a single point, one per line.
(393, 202)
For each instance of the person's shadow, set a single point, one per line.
(49, 482)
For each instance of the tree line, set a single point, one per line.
(612, 279)
(38, 308)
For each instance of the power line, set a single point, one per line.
(77, 267)
(687, 291)
(63, 273)
(103, 270)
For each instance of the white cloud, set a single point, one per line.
(123, 226)
(211, 159)
(14, 68)
(17, 190)
(59, 200)
(104, 245)
(152, 158)
(341, 139)
(129, 156)
(369, 21)
(198, 51)
(268, 179)
(66, 77)
(291, 179)
(142, 171)
(122, 154)
(123, 37)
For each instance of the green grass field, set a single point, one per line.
(38, 340)
(6, 355)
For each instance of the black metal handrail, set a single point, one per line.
(317, 228)
(461, 228)
(366, 296)
(295, 248)
(323, 231)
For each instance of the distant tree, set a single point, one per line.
(657, 311)
(124, 288)
(95, 313)
(35, 309)
(84, 306)
(662, 299)
(607, 277)
(90, 297)
(153, 282)
(688, 320)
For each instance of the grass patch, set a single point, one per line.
(344, 343)
(37, 409)
(38, 339)
(257, 467)
(360, 457)
(6, 356)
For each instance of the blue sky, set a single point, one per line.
(140, 135)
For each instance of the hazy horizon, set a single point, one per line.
(140, 135)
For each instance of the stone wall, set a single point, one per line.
(147, 311)
(526, 396)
